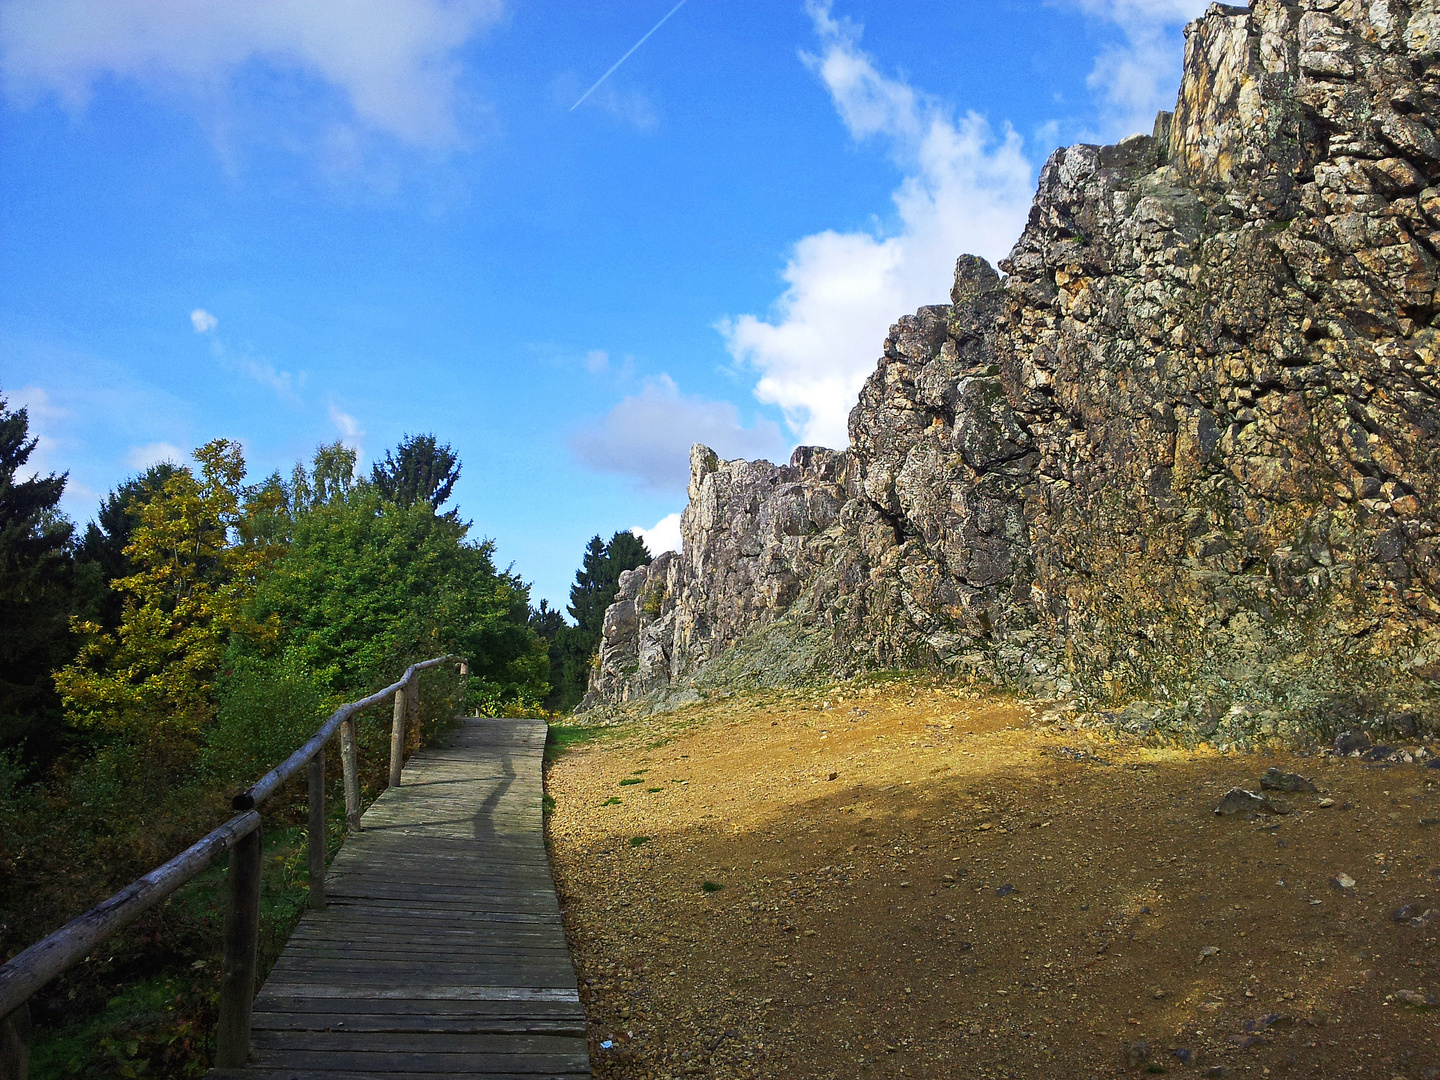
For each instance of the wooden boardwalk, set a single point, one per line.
(440, 952)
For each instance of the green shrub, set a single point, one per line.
(267, 708)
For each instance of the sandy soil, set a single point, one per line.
(912, 882)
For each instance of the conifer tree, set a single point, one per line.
(420, 469)
(596, 583)
(36, 580)
(588, 599)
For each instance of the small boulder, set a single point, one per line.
(1342, 881)
(1240, 801)
(1413, 999)
(1351, 743)
(1279, 780)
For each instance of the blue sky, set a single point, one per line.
(292, 221)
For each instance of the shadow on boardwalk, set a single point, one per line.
(440, 952)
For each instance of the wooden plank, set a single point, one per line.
(460, 1023)
(440, 951)
(411, 1042)
(434, 1007)
(348, 1063)
(254, 1073)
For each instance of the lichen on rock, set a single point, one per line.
(1184, 451)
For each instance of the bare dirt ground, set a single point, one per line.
(913, 882)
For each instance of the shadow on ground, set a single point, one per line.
(976, 893)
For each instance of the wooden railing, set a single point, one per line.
(241, 836)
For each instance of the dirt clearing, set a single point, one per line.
(900, 880)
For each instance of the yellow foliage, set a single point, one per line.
(196, 563)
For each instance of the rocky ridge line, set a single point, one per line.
(1184, 453)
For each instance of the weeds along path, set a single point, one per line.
(899, 880)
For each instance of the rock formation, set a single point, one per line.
(1184, 452)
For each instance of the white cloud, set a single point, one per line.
(140, 458)
(1135, 80)
(629, 107)
(351, 433)
(663, 536)
(45, 422)
(597, 361)
(256, 369)
(265, 373)
(394, 63)
(648, 435)
(966, 188)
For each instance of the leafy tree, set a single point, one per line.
(419, 470)
(368, 586)
(331, 478)
(36, 564)
(101, 557)
(152, 680)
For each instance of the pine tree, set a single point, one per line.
(625, 551)
(588, 599)
(36, 582)
(596, 583)
(419, 470)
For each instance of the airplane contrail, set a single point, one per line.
(617, 63)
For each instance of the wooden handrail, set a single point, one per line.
(41, 962)
(263, 788)
(31, 969)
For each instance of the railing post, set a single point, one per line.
(350, 767)
(464, 679)
(15, 1044)
(397, 738)
(412, 709)
(317, 829)
(237, 967)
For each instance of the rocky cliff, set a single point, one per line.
(1184, 451)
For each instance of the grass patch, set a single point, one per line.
(547, 804)
(711, 886)
(639, 841)
(562, 737)
(611, 801)
(631, 780)
(654, 789)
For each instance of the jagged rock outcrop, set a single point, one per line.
(1186, 450)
